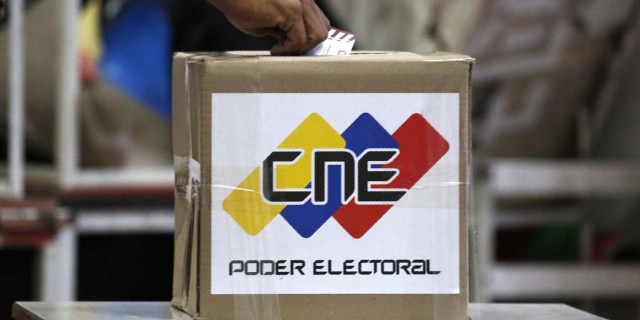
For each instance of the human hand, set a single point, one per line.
(298, 25)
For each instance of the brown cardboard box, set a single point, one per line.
(394, 252)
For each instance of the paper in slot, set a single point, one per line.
(338, 43)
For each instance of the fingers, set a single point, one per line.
(316, 24)
(295, 36)
(306, 30)
(298, 25)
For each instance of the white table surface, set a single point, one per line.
(163, 311)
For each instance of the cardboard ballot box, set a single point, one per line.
(321, 187)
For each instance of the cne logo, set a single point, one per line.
(354, 177)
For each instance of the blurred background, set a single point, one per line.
(85, 94)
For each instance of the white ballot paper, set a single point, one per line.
(338, 43)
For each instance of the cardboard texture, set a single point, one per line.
(198, 78)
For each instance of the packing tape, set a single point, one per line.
(187, 176)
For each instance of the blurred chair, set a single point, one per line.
(65, 124)
(538, 180)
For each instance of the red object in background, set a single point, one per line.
(29, 222)
(603, 243)
(88, 69)
(25, 239)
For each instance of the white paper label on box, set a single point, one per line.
(335, 193)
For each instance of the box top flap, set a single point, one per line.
(373, 56)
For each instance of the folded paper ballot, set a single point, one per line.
(338, 43)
